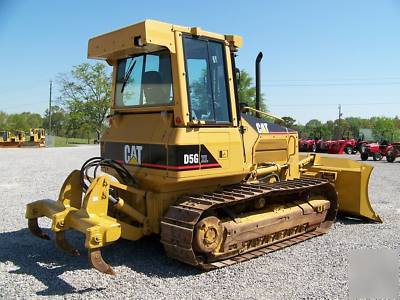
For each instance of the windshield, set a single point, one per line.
(144, 80)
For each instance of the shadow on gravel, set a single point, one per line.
(43, 260)
(346, 220)
(147, 256)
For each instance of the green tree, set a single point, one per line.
(300, 129)
(354, 125)
(86, 92)
(58, 120)
(312, 128)
(247, 91)
(23, 121)
(397, 122)
(341, 129)
(288, 122)
(327, 130)
(383, 128)
(3, 120)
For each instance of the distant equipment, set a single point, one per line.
(18, 138)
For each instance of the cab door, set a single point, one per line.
(209, 103)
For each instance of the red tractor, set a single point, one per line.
(327, 145)
(360, 144)
(392, 152)
(321, 146)
(348, 146)
(307, 145)
(376, 150)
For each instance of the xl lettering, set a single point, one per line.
(133, 154)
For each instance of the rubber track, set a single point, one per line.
(177, 226)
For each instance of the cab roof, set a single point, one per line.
(148, 36)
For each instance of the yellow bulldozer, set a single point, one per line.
(184, 159)
(12, 138)
(37, 137)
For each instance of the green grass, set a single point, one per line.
(69, 142)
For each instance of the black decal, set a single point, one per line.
(168, 157)
(262, 126)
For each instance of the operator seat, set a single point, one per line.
(155, 91)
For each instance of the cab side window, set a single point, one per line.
(206, 80)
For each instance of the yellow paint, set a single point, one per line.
(241, 156)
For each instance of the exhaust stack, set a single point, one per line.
(258, 82)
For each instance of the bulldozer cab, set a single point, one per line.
(17, 136)
(171, 68)
(5, 136)
(178, 85)
(37, 134)
(145, 80)
(21, 135)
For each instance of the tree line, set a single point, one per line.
(84, 98)
(382, 128)
(81, 108)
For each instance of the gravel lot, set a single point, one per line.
(33, 268)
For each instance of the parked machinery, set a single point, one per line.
(375, 150)
(360, 144)
(348, 146)
(307, 145)
(392, 152)
(37, 137)
(217, 183)
(12, 138)
(5, 136)
(17, 138)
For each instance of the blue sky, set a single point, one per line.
(317, 54)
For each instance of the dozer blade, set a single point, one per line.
(351, 180)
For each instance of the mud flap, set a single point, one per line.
(351, 180)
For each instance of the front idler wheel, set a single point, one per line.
(208, 235)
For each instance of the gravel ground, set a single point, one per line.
(33, 268)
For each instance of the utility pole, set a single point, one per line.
(340, 118)
(51, 87)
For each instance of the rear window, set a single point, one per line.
(144, 80)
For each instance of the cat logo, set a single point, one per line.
(133, 154)
(262, 127)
